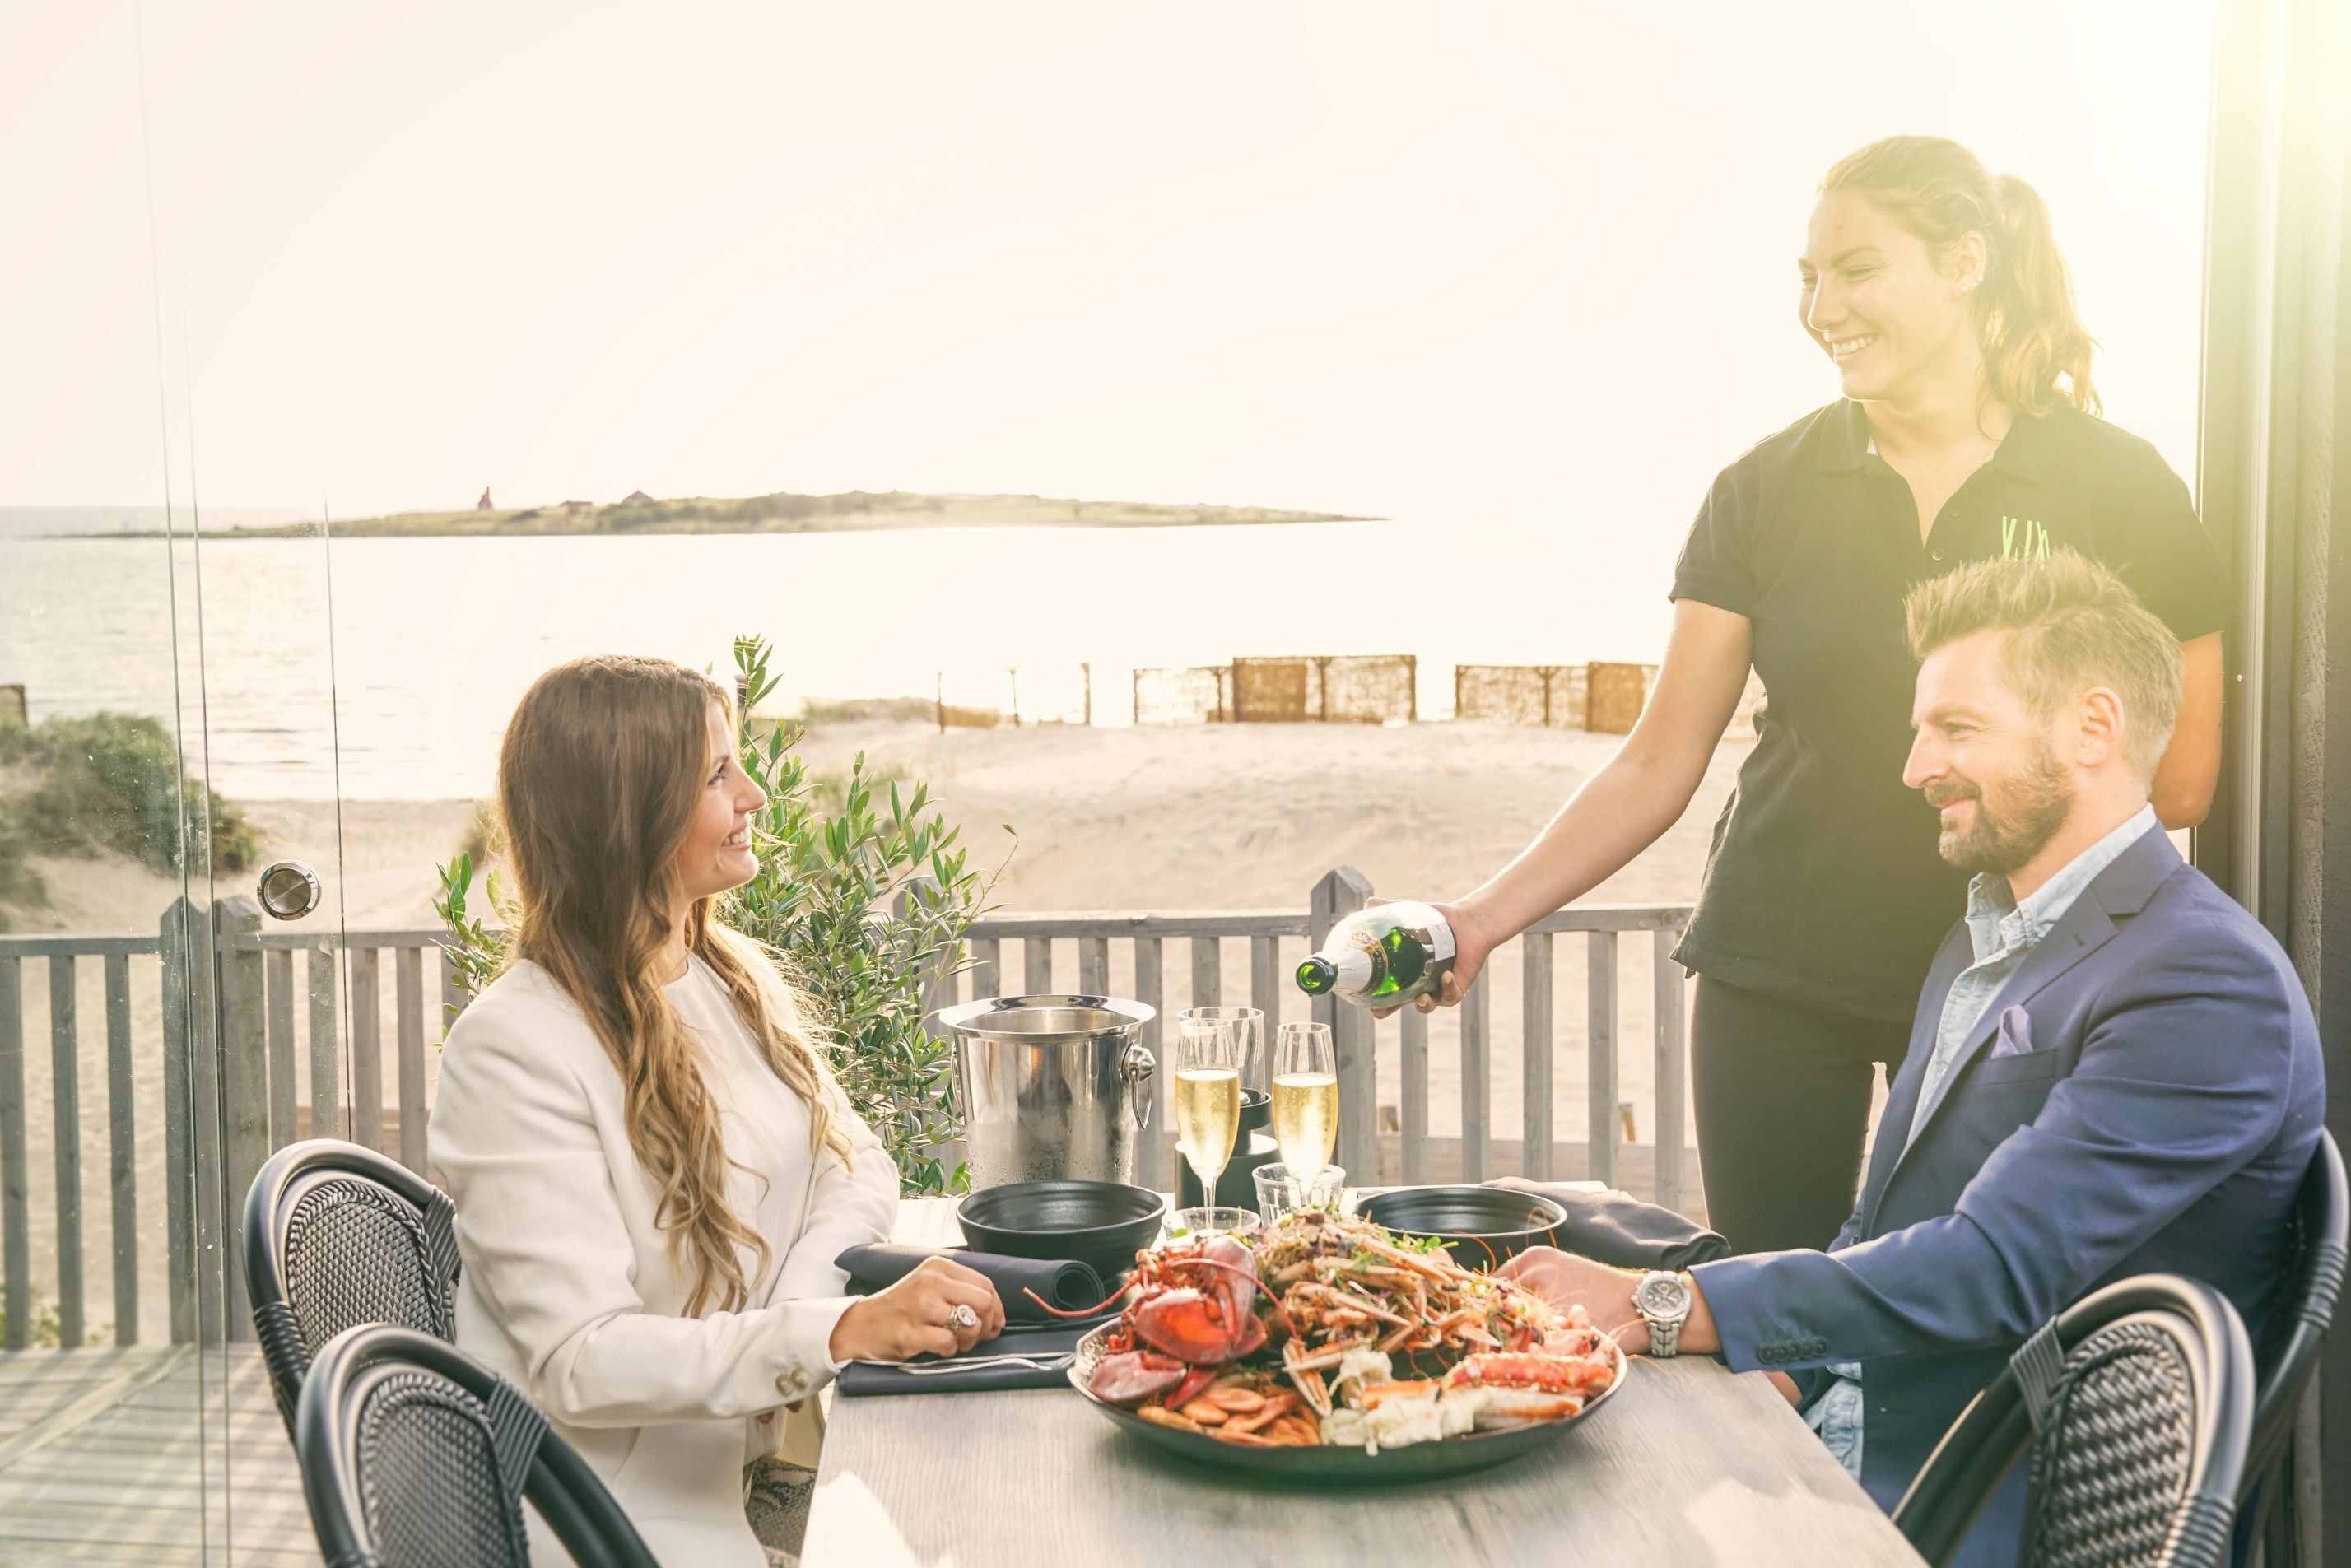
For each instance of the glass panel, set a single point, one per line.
(258, 683)
(113, 1214)
(166, 735)
(285, 997)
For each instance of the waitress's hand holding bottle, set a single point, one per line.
(1472, 941)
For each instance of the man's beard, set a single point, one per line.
(2012, 827)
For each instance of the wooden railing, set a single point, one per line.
(301, 1047)
(218, 1113)
(1358, 1037)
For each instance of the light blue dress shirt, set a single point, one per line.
(2001, 929)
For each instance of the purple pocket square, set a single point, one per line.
(2015, 1035)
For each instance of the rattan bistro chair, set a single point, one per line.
(2137, 1403)
(2317, 1236)
(335, 1236)
(415, 1455)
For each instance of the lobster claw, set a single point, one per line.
(1186, 1324)
(1136, 1376)
(1234, 1280)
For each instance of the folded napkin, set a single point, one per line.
(1050, 1350)
(1071, 1287)
(1623, 1232)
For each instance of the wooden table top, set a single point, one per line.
(1688, 1464)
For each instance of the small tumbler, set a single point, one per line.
(1279, 1193)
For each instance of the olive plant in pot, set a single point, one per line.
(863, 898)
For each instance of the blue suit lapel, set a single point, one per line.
(2122, 889)
(1902, 1094)
(2083, 930)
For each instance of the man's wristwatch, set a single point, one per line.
(1663, 1299)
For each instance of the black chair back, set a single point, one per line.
(415, 1455)
(2318, 1238)
(2137, 1403)
(337, 1234)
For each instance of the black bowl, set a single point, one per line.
(1481, 1225)
(1101, 1223)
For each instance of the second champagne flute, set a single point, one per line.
(1305, 1098)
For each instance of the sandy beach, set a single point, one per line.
(1164, 819)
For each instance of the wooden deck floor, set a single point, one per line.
(146, 1455)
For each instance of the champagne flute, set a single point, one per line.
(1207, 1103)
(1305, 1098)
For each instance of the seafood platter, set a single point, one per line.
(1326, 1348)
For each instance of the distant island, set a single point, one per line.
(787, 512)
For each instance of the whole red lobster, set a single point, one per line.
(1192, 1312)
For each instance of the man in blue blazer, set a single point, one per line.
(2113, 1070)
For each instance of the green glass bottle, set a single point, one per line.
(1382, 956)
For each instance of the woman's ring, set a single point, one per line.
(963, 1318)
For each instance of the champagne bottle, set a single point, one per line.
(1382, 956)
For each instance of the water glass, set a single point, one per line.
(1249, 1037)
(1279, 1193)
(1210, 1221)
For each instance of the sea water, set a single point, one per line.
(408, 679)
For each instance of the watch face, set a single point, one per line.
(1662, 1298)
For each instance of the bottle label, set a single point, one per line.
(1367, 943)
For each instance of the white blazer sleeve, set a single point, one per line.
(847, 1205)
(547, 1245)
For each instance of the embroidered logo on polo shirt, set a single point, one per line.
(2023, 538)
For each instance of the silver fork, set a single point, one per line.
(978, 1362)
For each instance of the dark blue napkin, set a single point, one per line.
(1050, 1346)
(1072, 1286)
(1622, 1231)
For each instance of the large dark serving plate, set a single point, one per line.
(1481, 1225)
(1102, 1223)
(1337, 1467)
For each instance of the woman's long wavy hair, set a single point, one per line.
(599, 777)
(2036, 353)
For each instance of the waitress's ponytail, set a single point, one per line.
(2036, 353)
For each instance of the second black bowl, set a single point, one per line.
(1101, 1223)
(1482, 1225)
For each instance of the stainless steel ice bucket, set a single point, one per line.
(1053, 1088)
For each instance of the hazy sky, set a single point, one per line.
(1503, 267)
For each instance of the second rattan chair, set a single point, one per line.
(2317, 1237)
(336, 1234)
(415, 1455)
(2136, 1404)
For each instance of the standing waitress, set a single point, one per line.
(1968, 428)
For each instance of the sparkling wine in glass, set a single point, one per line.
(1208, 1098)
(1305, 1098)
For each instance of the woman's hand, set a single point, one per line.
(916, 1316)
(1472, 941)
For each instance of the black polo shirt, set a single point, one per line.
(1823, 884)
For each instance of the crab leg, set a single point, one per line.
(1372, 1309)
(1431, 1269)
(1300, 1368)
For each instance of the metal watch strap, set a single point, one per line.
(1665, 1337)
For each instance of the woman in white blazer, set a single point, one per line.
(653, 1169)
